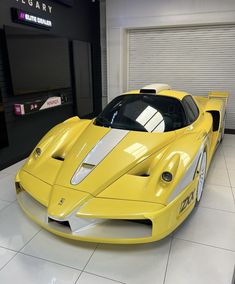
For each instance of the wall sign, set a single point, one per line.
(23, 17)
(36, 4)
(38, 105)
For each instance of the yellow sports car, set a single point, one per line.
(132, 175)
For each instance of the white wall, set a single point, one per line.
(122, 15)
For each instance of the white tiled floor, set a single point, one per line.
(201, 251)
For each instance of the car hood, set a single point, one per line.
(98, 159)
(102, 155)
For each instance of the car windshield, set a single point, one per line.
(143, 112)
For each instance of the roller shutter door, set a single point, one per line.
(194, 59)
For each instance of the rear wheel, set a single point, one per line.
(202, 176)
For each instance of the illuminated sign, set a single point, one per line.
(38, 105)
(23, 17)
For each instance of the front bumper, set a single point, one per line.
(91, 230)
(108, 228)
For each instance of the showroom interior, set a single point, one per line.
(61, 63)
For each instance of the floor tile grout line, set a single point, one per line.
(17, 252)
(91, 273)
(6, 206)
(1, 246)
(83, 270)
(229, 177)
(97, 245)
(207, 245)
(51, 261)
(76, 281)
(26, 254)
(4, 200)
(64, 265)
(40, 229)
(230, 212)
(168, 258)
(8, 261)
(233, 194)
(48, 260)
(10, 203)
(222, 210)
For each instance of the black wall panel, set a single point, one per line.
(80, 22)
(3, 128)
(82, 66)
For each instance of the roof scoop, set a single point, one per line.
(154, 88)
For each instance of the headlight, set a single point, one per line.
(37, 152)
(167, 176)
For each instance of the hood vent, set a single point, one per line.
(82, 172)
(98, 153)
(58, 158)
(141, 175)
(144, 175)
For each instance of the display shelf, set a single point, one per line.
(32, 107)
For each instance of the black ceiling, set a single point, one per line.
(65, 2)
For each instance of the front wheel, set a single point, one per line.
(202, 176)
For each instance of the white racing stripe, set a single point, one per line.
(98, 153)
(188, 176)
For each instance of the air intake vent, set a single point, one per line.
(141, 221)
(58, 158)
(148, 91)
(62, 223)
(145, 175)
(154, 88)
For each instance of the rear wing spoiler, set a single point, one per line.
(219, 95)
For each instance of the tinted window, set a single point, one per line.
(142, 112)
(191, 109)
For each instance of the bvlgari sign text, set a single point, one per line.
(37, 5)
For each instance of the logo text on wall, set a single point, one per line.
(22, 17)
(25, 17)
(37, 4)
